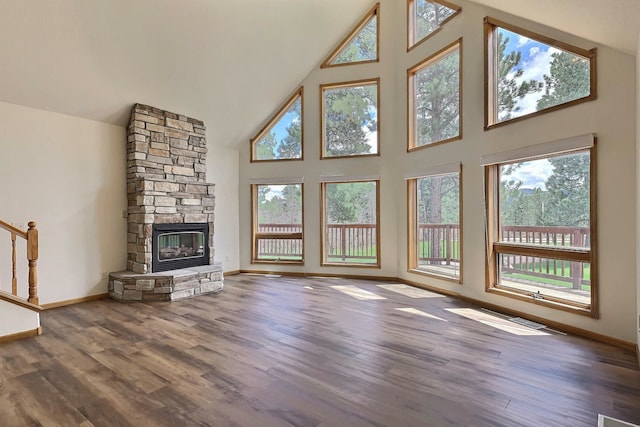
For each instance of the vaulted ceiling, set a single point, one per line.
(226, 62)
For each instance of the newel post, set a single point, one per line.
(32, 256)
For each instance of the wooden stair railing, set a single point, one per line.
(31, 236)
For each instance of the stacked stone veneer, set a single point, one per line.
(166, 179)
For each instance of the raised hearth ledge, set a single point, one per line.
(128, 286)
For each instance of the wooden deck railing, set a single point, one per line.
(31, 237)
(439, 244)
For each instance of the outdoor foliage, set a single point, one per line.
(563, 200)
(351, 203)
(283, 145)
(437, 100)
(350, 119)
(429, 16)
(280, 204)
(363, 47)
(511, 87)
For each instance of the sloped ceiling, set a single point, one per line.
(227, 62)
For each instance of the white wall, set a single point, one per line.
(222, 170)
(611, 116)
(68, 175)
(15, 319)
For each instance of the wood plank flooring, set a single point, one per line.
(271, 352)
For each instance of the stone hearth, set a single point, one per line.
(166, 184)
(166, 285)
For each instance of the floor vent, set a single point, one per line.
(527, 323)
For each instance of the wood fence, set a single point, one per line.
(439, 244)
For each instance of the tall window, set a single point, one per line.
(528, 73)
(541, 202)
(434, 98)
(349, 119)
(435, 234)
(425, 17)
(277, 223)
(350, 223)
(361, 44)
(281, 138)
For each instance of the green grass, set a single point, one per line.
(543, 280)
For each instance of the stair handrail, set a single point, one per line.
(31, 236)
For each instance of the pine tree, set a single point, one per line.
(568, 79)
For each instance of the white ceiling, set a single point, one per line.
(226, 62)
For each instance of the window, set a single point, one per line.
(425, 17)
(277, 223)
(350, 223)
(434, 98)
(349, 119)
(541, 205)
(435, 235)
(528, 74)
(361, 45)
(281, 138)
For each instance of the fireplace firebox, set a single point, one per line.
(177, 246)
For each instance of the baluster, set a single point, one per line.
(14, 277)
(32, 256)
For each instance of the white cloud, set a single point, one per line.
(522, 40)
(533, 174)
(534, 69)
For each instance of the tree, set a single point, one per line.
(363, 47)
(509, 90)
(438, 100)
(351, 203)
(265, 148)
(291, 145)
(349, 111)
(569, 78)
(569, 191)
(429, 17)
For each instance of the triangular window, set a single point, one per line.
(281, 138)
(361, 45)
(428, 16)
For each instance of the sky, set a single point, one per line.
(536, 61)
(532, 174)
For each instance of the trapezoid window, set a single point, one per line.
(426, 17)
(528, 74)
(434, 98)
(349, 119)
(361, 45)
(282, 137)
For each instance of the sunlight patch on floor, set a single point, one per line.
(419, 313)
(357, 293)
(495, 322)
(411, 291)
(604, 421)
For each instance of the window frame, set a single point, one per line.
(490, 65)
(257, 236)
(411, 21)
(412, 224)
(323, 223)
(374, 11)
(411, 101)
(494, 247)
(298, 93)
(353, 83)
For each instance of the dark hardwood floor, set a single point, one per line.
(303, 352)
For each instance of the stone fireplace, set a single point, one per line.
(170, 213)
